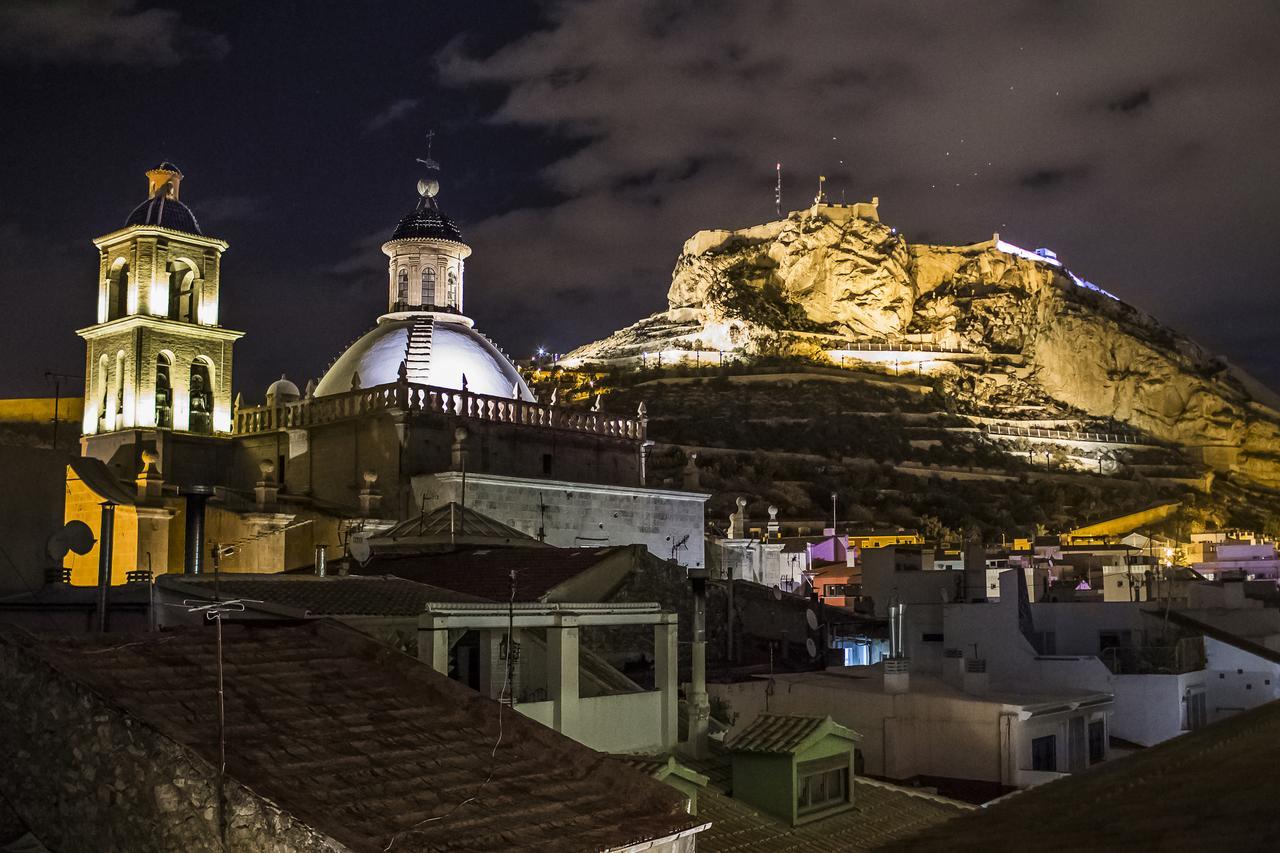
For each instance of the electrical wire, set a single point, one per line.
(493, 753)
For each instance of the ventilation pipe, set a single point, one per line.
(193, 564)
(104, 562)
(897, 676)
(322, 563)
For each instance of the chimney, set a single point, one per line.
(699, 704)
(975, 572)
(104, 562)
(193, 562)
(975, 676)
(897, 675)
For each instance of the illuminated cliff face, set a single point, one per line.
(824, 282)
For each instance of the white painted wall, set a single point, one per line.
(579, 514)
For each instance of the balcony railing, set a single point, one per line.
(1186, 655)
(414, 398)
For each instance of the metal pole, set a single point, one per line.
(104, 562)
(57, 398)
(222, 739)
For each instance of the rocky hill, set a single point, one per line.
(1015, 340)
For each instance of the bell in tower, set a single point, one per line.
(157, 357)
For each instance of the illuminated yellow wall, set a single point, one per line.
(1121, 526)
(84, 505)
(39, 410)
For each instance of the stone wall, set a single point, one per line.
(577, 515)
(84, 776)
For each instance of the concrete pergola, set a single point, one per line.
(561, 623)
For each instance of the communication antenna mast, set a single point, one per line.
(777, 191)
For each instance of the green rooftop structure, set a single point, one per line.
(795, 768)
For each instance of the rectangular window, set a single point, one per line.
(546, 463)
(822, 784)
(1044, 753)
(1097, 741)
(931, 638)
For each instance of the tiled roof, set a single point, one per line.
(784, 733)
(332, 595)
(364, 744)
(166, 213)
(881, 813)
(426, 220)
(485, 572)
(1212, 789)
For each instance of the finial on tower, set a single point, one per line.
(429, 187)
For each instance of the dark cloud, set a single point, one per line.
(102, 32)
(584, 142)
(1131, 103)
(1053, 178)
(394, 112)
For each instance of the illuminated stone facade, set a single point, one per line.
(157, 356)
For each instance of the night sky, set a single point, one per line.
(582, 143)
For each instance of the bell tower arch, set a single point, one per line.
(157, 334)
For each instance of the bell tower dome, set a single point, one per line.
(156, 357)
(426, 257)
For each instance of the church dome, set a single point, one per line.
(426, 220)
(165, 212)
(436, 349)
(282, 390)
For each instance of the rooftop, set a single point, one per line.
(881, 813)
(869, 679)
(785, 733)
(486, 572)
(309, 595)
(367, 745)
(1211, 789)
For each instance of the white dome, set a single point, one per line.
(436, 349)
(283, 389)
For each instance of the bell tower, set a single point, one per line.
(156, 357)
(426, 254)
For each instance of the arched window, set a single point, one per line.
(102, 393)
(184, 294)
(119, 421)
(429, 286)
(164, 392)
(402, 287)
(118, 292)
(200, 406)
(451, 290)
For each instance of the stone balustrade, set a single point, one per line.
(413, 398)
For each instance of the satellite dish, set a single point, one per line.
(811, 618)
(811, 647)
(777, 593)
(359, 549)
(79, 536)
(74, 536)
